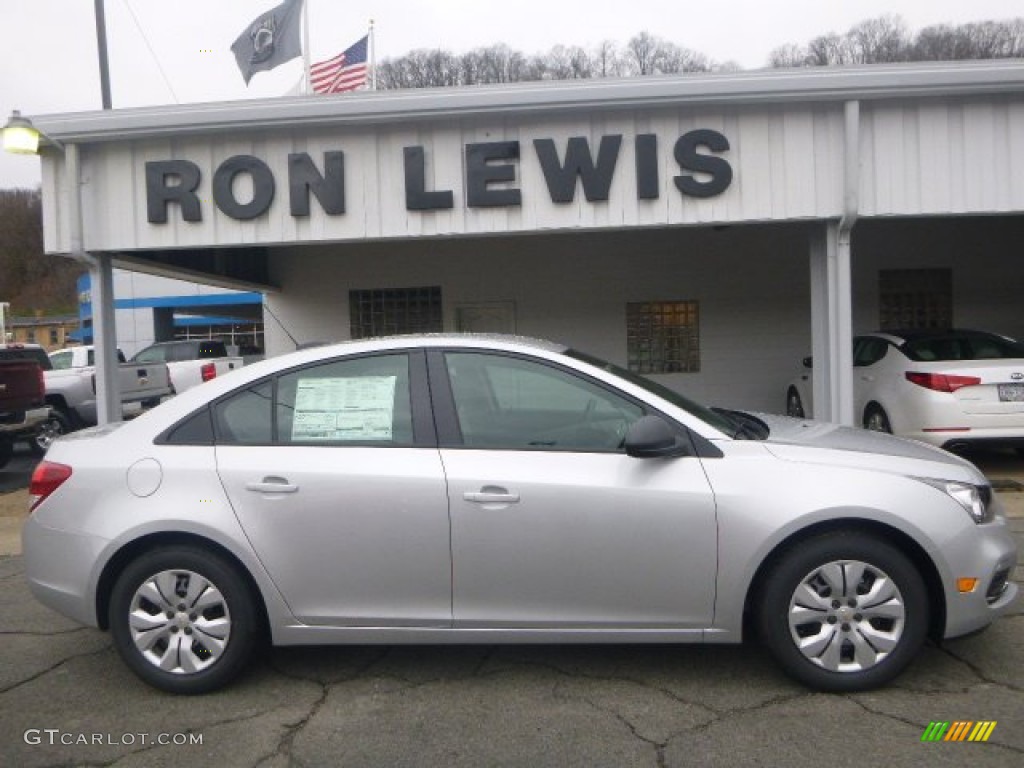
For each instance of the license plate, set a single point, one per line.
(1011, 393)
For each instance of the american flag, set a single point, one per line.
(344, 72)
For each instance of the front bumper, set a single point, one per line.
(990, 556)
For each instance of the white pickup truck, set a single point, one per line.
(190, 362)
(70, 376)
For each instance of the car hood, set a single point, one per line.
(819, 442)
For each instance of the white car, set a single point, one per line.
(948, 388)
(471, 489)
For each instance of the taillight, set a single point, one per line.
(42, 380)
(941, 382)
(208, 371)
(47, 478)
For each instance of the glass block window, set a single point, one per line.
(915, 299)
(663, 336)
(395, 311)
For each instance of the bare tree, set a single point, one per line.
(884, 39)
(641, 51)
(607, 60)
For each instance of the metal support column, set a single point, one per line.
(108, 394)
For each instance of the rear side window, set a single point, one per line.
(355, 401)
(246, 418)
(364, 400)
(33, 354)
(208, 349)
(61, 361)
(150, 355)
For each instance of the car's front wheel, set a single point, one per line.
(183, 619)
(845, 611)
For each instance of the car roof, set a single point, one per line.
(447, 339)
(901, 336)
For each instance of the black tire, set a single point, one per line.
(863, 644)
(876, 419)
(179, 568)
(794, 406)
(58, 423)
(6, 452)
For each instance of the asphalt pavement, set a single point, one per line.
(66, 699)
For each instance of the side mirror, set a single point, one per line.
(808, 362)
(652, 437)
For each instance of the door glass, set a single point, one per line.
(361, 400)
(515, 404)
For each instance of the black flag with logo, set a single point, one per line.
(271, 39)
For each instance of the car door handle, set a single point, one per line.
(491, 497)
(272, 485)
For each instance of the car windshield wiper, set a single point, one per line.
(747, 427)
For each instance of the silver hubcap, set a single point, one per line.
(179, 622)
(846, 616)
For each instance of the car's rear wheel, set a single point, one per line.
(56, 424)
(844, 611)
(794, 406)
(183, 619)
(876, 419)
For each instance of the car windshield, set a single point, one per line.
(962, 346)
(719, 420)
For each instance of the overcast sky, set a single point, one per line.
(48, 60)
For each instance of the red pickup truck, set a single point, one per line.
(23, 408)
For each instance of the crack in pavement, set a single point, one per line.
(292, 730)
(49, 669)
(658, 746)
(980, 673)
(918, 726)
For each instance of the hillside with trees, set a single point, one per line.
(29, 279)
(874, 41)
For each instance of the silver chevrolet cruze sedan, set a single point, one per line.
(467, 489)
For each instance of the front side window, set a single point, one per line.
(515, 404)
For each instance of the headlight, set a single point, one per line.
(975, 499)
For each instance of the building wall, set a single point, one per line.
(752, 283)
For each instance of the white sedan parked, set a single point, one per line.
(947, 388)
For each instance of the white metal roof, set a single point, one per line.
(822, 84)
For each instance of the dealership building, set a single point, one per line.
(708, 230)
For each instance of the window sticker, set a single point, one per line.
(360, 408)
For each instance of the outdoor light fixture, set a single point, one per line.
(22, 138)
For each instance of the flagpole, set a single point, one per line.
(307, 89)
(373, 60)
